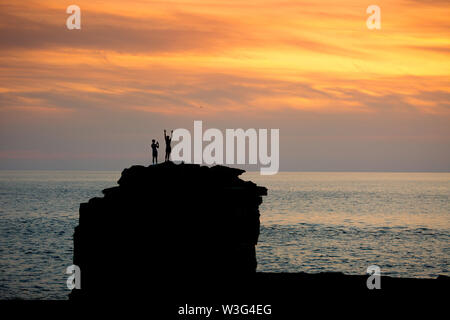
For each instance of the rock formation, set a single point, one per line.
(164, 224)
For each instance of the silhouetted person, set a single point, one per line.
(168, 147)
(155, 147)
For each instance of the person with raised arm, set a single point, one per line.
(168, 147)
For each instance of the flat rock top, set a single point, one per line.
(168, 173)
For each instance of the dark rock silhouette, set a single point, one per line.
(181, 222)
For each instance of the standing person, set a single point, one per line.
(168, 147)
(155, 147)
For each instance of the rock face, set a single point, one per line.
(164, 224)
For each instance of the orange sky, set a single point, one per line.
(265, 62)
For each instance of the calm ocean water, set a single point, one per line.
(311, 222)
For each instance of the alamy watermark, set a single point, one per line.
(374, 280)
(241, 147)
(374, 20)
(74, 20)
(74, 280)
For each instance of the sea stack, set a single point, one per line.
(164, 225)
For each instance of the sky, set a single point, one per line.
(344, 97)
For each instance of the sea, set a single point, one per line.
(310, 222)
